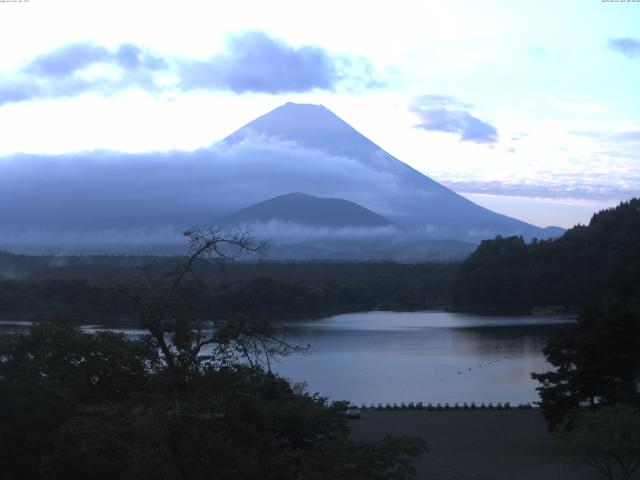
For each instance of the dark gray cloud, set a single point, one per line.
(55, 74)
(257, 62)
(26, 88)
(123, 191)
(84, 197)
(12, 91)
(628, 46)
(66, 60)
(442, 113)
(133, 58)
(69, 59)
(253, 62)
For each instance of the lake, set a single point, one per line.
(374, 357)
(433, 357)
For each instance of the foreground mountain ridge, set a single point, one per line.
(307, 210)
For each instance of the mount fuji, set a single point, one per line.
(115, 202)
(370, 176)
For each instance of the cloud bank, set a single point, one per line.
(78, 68)
(253, 62)
(102, 190)
(257, 62)
(67, 60)
(115, 198)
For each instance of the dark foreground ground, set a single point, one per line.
(479, 444)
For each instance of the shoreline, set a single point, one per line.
(120, 320)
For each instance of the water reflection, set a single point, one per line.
(433, 357)
(423, 356)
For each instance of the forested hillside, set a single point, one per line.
(574, 270)
(86, 287)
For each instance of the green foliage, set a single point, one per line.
(188, 400)
(387, 459)
(574, 270)
(76, 405)
(494, 275)
(47, 374)
(274, 290)
(608, 439)
(598, 362)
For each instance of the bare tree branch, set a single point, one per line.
(172, 322)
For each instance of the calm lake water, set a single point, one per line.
(433, 357)
(421, 356)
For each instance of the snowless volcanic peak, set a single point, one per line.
(308, 210)
(311, 126)
(372, 177)
(302, 122)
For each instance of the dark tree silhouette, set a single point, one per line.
(608, 440)
(187, 401)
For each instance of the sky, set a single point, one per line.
(529, 108)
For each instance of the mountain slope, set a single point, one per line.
(115, 202)
(308, 210)
(576, 269)
(304, 227)
(406, 197)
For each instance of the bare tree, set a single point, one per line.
(172, 322)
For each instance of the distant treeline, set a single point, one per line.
(86, 287)
(503, 275)
(575, 270)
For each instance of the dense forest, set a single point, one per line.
(101, 405)
(503, 275)
(597, 362)
(182, 402)
(595, 271)
(577, 269)
(87, 286)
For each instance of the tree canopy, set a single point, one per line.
(608, 440)
(597, 362)
(186, 400)
(575, 270)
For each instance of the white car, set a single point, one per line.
(352, 411)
